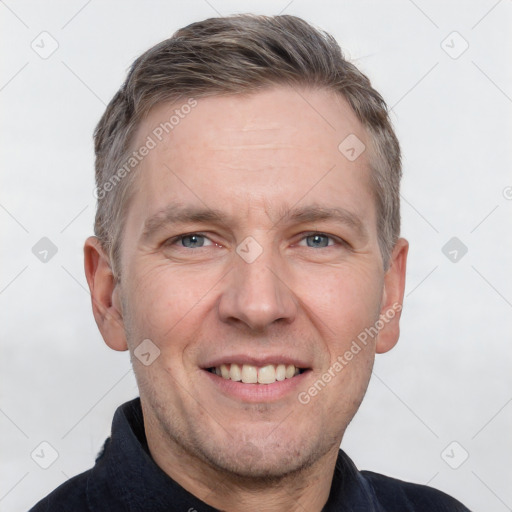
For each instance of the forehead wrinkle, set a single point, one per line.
(176, 213)
(268, 145)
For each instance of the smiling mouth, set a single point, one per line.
(250, 374)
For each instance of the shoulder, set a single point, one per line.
(71, 495)
(394, 495)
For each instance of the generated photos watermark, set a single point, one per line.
(151, 142)
(369, 333)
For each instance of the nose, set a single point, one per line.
(256, 293)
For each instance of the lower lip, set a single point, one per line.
(256, 392)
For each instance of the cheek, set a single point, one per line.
(346, 299)
(162, 301)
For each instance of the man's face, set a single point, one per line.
(255, 280)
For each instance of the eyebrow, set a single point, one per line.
(317, 213)
(179, 214)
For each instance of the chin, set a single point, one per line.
(249, 451)
(250, 462)
(253, 455)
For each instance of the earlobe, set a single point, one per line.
(104, 294)
(394, 287)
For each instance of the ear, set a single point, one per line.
(392, 298)
(104, 290)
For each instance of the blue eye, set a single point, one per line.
(197, 241)
(192, 241)
(317, 240)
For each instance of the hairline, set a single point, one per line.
(127, 188)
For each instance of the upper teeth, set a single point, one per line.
(249, 374)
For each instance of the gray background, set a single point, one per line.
(448, 380)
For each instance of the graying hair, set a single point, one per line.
(231, 55)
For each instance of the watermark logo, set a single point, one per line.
(44, 250)
(147, 352)
(352, 147)
(249, 249)
(45, 45)
(454, 45)
(455, 455)
(454, 249)
(44, 455)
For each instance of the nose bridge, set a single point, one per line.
(256, 294)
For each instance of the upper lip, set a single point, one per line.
(256, 360)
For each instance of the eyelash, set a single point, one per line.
(336, 240)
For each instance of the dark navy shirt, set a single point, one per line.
(125, 478)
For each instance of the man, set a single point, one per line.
(247, 253)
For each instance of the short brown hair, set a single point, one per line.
(230, 55)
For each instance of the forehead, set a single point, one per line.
(269, 149)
